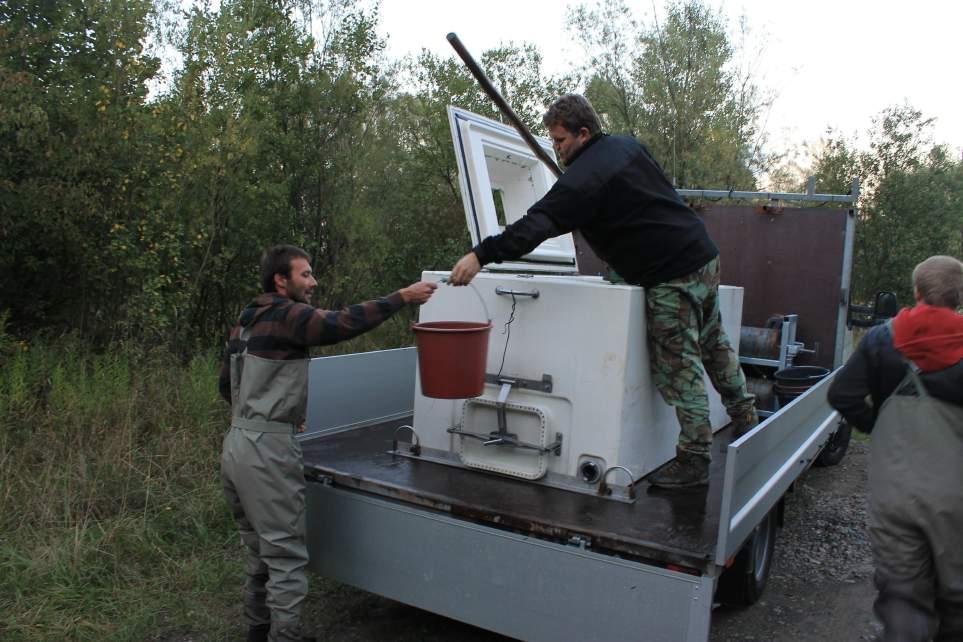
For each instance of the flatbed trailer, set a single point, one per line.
(530, 561)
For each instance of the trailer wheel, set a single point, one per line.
(742, 583)
(836, 448)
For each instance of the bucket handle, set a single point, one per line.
(488, 317)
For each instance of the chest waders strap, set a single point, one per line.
(262, 425)
(911, 383)
(268, 395)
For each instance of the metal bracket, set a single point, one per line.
(580, 541)
(500, 409)
(502, 437)
(545, 385)
(415, 448)
(509, 439)
(604, 488)
(789, 348)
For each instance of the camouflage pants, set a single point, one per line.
(685, 333)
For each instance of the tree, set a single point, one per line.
(276, 123)
(675, 86)
(72, 165)
(910, 200)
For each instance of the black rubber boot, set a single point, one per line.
(258, 632)
(685, 471)
(282, 637)
(744, 422)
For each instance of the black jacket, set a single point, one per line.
(626, 208)
(875, 369)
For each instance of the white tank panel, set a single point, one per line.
(589, 336)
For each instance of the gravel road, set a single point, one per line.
(820, 587)
(819, 590)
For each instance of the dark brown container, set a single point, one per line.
(792, 382)
(452, 356)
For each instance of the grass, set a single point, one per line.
(112, 521)
(112, 524)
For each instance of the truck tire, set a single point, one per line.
(742, 583)
(835, 449)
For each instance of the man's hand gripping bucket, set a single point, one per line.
(452, 356)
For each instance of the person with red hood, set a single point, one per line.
(904, 384)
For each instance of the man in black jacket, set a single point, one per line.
(628, 211)
(916, 463)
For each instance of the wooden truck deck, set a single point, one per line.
(679, 528)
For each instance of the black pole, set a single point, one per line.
(503, 106)
(588, 262)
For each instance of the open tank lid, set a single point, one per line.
(500, 179)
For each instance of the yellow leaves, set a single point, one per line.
(119, 44)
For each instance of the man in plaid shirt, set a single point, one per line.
(264, 377)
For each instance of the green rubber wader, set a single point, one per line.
(916, 515)
(263, 478)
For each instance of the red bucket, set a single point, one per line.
(451, 358)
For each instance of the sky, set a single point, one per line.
(829, 63)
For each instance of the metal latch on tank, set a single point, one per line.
(502, 437)
(501, 291)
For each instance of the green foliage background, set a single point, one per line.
(135, 208)
(911, 203)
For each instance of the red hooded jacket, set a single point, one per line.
(929, 336)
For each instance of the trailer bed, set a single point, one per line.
(529, 561)
(679, 528)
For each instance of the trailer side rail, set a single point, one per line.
(337, 402)
(762, 464)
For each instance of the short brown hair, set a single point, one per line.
(277, 260)
(573, 112)
(939, 281)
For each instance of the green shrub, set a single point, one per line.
(112, 523)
